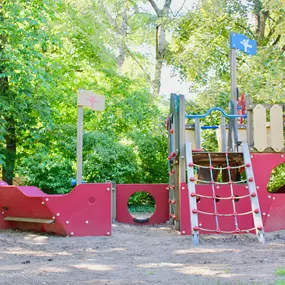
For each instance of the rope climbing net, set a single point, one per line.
(213, 183)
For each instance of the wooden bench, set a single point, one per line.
(29, 220)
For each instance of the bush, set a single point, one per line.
(277, 178)
(105, 158)
(51, 173)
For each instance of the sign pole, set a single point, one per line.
(248, 46)
(233, 58)
(94, 102)
(233, 122)
(79, 144)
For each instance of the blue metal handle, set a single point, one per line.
(209, 127)
(214, 109)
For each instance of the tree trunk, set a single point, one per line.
(121, 57)
(162, 15)
(10, 153)
(263, 20)
(159, 58)
(123, 33)
(260, 19)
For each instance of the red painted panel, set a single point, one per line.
(228, 206)
(272, 205)
(159, 193)
(185, 224)
(85, 211)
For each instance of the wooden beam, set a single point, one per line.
(29, 220)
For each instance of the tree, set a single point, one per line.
(49, 52)
(160, 41)
(201, 47)
(25, 73)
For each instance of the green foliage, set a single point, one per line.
(52, 174)
(50, 49)
(141, 202)
(106, 158)
(152, 152)
(26, 44)
(141, 198)
(279, 282)
(201, 106)
(280, 271)
(200, 49)
(277, 178)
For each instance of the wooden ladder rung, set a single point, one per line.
(29, 220)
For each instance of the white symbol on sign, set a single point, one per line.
(245, 44)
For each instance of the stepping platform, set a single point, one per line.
(85, 211)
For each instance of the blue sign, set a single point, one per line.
(242, 43)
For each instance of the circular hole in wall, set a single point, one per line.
(276, 182)
(141, 206)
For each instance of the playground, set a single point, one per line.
(216, 221)
(139, 255)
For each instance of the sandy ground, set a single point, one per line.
(138, 255)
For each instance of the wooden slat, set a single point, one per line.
(266, 106)
(202, 158)
(29, 220)
(276, 128)
(259, 128)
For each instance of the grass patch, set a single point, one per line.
(280, 271)
(280, 282)
(141, 208)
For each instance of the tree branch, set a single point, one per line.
(167, 4)
(138, 63)
(245, 28)
(155, 7)
(177, 13)
(277, 40)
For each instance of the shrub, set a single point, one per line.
(51, 173)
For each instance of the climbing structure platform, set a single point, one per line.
(85, 211)
(225, 192)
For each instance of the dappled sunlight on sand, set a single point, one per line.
(53, 269)
(163, 264)
(93, 266)
(205, 250)
(115, 249)
(37, 239)
(206, 271)
(20, 251)
(145, 255)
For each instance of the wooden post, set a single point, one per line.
(182, 159)
(233, 122)
(197, 133)
(172, 148)
(79, 144)
(94, 102)
(223, 134)
(249, 122)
